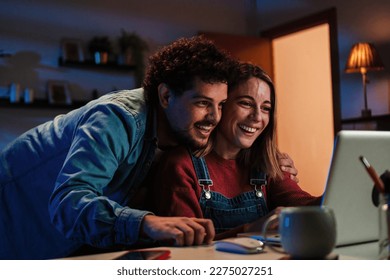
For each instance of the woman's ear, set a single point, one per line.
(163, 95)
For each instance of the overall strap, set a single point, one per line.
(202, 174)
(258, 179)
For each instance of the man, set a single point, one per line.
(65, 183)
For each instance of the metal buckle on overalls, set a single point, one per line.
(255, 183)
(205, 184)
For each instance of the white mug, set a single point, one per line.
(307, 232)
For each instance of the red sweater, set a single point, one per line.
(176, 191)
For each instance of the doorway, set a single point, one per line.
(306, 81)
(310, 144)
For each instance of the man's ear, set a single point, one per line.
(164, 93)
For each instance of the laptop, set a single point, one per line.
(349, 187)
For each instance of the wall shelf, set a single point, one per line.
(379, 122)
(87, 65)
(90, 65)
(40, 104)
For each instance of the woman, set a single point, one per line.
(240, 180)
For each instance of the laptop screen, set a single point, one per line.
(349, 187)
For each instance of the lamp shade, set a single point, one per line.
(363, 57)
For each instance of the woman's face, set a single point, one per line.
(246, 114)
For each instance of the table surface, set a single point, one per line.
(208, 252)
(204, 252)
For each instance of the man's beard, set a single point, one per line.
(184, 137)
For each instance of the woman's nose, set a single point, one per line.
(256, 114)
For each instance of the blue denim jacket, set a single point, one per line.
(66, 183)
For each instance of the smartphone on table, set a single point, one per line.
(158, 254)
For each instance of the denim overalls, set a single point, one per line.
(227, 213)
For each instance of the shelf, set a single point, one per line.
(379, 122)
(366, 119)
(90, 65)
(40, 104)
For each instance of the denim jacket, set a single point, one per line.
(67, 182)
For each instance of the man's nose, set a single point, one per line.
(215, 113)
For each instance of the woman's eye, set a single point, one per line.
(266, 109)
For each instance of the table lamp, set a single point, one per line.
(363, 57)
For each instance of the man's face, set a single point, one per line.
(193, 115)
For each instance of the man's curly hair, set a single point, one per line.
(179, 63)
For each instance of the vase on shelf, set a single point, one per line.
(100, 48)
(100, 57)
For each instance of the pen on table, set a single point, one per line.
(374, 176)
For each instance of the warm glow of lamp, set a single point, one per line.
(363, 57)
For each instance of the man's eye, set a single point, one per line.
(246, 104)
(202, 103)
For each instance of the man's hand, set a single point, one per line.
(184, 231)
(287, 164)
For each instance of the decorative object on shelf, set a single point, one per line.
(364, 57)
(28, 95)
(58, 93)
(14, 93)
(100, 48)
(132, 48)
(72, 50)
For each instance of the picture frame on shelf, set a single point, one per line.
(72, 50)
(58, 93)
